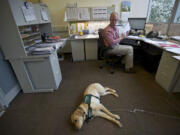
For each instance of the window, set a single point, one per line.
(160, 10)
(177, 16)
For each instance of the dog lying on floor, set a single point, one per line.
(91, 106)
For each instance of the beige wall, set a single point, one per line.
(57, 8)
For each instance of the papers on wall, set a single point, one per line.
(72, 13)
(124, 16)
(44, 14)
(28, 12)
(99, 13)
(70, 5)
(83, 14)
(77, 14)
(80, 27)
(125, 6)
(110, 10)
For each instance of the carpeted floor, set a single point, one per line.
(145, 108)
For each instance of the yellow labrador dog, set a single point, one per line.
(91, 106)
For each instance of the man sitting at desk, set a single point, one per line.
(112, 39)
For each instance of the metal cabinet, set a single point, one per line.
(176, 81)
(91, 48)
(38, 74)
(12, 19)
(177, 85)
(78, 50)
(167, 71)
(84, 49)
(35, 73)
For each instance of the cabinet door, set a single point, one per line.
(177, 85)
(45, 14)
(42, 14)
(9, 86)
(166, 70)
(1, 109)
(176, 81)
(56, 69)
(91, 49)
(17, 11)
(40, 73)
(78, 50)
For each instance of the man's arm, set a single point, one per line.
(109, 38)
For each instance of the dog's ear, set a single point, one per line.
(80, 112)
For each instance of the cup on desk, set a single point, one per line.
(80, 33)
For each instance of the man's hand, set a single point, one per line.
(123, 36)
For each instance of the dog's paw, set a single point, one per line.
(117, 117)
(116, 94)
(119, 124)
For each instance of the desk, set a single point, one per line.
(168, 73)
(84, 47)
(155, 42)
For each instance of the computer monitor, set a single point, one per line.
(137, 23)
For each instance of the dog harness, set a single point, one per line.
(87, 100)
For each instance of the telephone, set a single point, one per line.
(152, 34)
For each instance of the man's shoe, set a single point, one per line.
(130, 70)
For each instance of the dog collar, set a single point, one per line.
(84, 113)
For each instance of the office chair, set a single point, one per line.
(111, 59)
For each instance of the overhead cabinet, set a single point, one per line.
(20, 10)
(88, 13)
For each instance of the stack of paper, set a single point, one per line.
(169, 45)
(41, 51)
(174, 50)
(176, 38)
